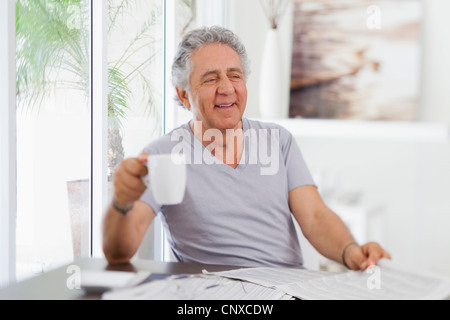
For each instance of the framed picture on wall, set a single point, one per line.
(356, 59)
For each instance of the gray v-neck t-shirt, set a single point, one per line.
(241, 216)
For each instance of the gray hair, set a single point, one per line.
(196, 39)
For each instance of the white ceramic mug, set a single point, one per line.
(166, 178)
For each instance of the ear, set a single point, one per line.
(183, 95)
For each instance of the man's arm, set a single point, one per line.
(123, 234)
(327, 233)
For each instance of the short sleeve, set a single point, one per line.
(298, 174)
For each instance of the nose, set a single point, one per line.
(225, 87)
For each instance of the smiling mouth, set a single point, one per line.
(224, 106)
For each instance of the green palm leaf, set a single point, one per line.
(53, 53)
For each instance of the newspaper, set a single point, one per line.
(385, 281)
(197, 287)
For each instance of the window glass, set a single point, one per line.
(54, 116)
(136, 77)
(53, 133)
(136, 85)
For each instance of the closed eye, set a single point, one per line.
(210, 76)
(212, 80)
(236, 75)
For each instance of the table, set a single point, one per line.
(53, 285)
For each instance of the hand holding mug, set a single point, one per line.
(128, 184)
(164, 174)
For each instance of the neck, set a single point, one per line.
(218, 137)
(226, 144)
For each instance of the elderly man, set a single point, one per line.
(234, 212)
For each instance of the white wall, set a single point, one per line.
(436, 63)
(248, 21)
(406, 183)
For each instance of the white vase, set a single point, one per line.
(274, 89)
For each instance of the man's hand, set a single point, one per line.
(361, 257)
(123, 234)
(128, 184)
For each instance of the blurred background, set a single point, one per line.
(362, 85)
(381, 151)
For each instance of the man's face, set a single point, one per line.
(218, 94)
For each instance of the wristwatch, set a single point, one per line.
(121, 209)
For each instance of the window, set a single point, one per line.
(136, 86)
(135, 73)
(59, 117)
(72, 130)
(53, 64)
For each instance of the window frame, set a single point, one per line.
(99, 122)
(8, 167)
